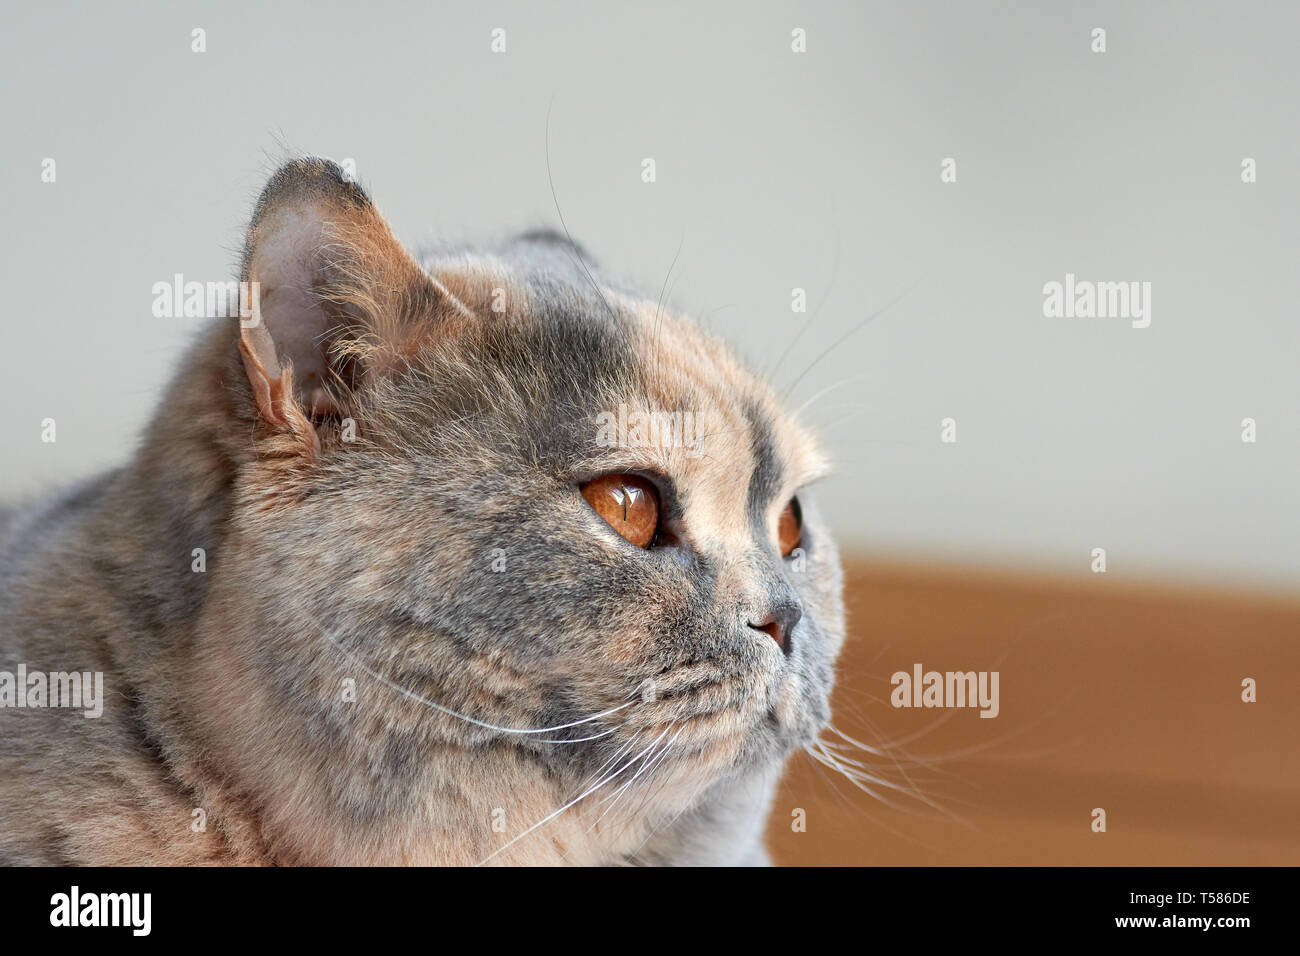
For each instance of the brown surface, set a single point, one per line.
(1111, 696)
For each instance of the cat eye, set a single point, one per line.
(789, 527)
(629, 503)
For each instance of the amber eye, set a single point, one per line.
(629, 503)
(789, 527)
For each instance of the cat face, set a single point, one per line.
(414, 519)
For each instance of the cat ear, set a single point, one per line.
(333, 295)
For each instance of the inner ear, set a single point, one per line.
(292, 322)
(332, 289)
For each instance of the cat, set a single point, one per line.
(371, 591)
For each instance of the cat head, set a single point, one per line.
(545, 531)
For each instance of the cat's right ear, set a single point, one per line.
(334, 297)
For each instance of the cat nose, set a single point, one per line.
(779, 623)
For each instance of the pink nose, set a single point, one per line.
(774, 630)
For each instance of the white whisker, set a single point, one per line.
(470, 720)
(649, 762)
(551, 816)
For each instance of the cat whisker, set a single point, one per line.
(858, 775)
(712, 312)
(590, 790)
(843, 338)
(555, 199)
(916, 794)
(687, 804)
(859, 807)
(902, 766)
(654, 788)
(911, 761)
(821, 301)
(826, 390)
(890, 751)
(866, 748)
(469, 720)
(609, 761)
(648, 763)
(725, 431)
(577, 740)
(663, 290)
(651, 789)
(865, 781)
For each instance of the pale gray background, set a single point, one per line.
(775, 170)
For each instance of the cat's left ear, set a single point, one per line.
(335, 296)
